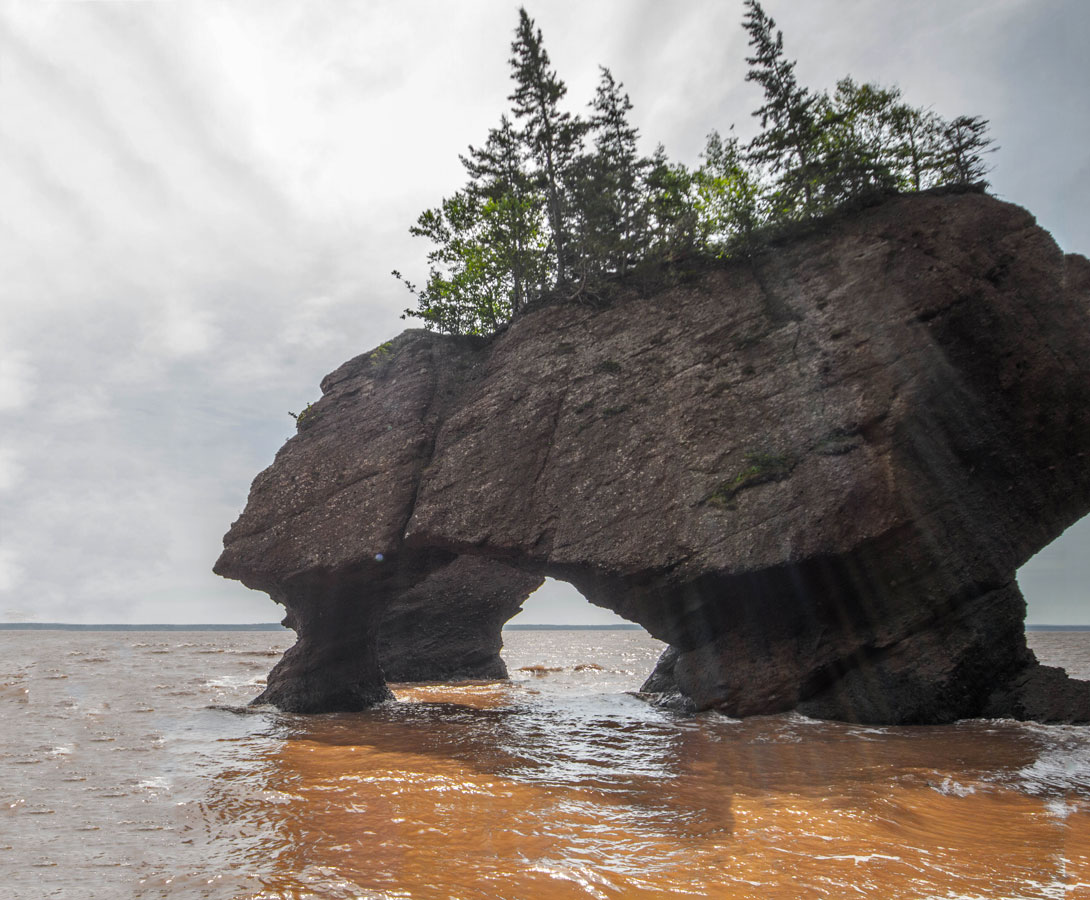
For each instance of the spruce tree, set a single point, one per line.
(856, 141)
(671, 209)
(917, 136)
(538, 213)
(964, 140)
(499, 176)
(554, 137)
(613, 205)
(790, 134)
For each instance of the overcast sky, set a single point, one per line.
(201, 202)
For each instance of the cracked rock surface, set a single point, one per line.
(813, 474)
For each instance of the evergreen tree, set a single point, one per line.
(671, 209)
(554, 137)
(590, 214)
(916, 135)
(964, 140)
(609, 192)
(791, 130)
(499, 176)
(856, 141)
(538, 213)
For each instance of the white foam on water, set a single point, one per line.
(1065, 768)
(1061, 809)
(952, 788)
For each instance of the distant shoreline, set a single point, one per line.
(275, 626)
(66, 626)
(1058, 628)
(529, 627)
(259, 626)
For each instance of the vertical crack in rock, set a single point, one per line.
(826, 518)
(431, 421)
(544, 539)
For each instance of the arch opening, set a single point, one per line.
(565, 644)
(558, 603)
(1054, 581)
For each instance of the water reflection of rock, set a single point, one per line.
(398, 797)
(601, 798)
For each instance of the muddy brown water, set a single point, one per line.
(131, 768)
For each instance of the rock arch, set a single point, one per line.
(813, 475)
(356, 634)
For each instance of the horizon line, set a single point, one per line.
(245, 626)
(276, 626)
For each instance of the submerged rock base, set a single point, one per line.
(813, 474)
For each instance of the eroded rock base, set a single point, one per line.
(972, 663)
(384, 625)
(333, 666)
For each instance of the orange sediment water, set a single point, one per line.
(127, 784)
(767, 816)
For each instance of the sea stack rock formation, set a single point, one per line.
(813, 474)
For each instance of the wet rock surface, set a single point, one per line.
(813, 474)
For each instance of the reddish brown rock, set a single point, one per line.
(448, 626)
(813, 474)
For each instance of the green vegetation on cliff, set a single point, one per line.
(559, 206)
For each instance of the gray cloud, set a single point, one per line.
(203, 202)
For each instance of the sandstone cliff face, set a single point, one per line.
(813, 475)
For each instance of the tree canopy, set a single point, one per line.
(558, 205)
